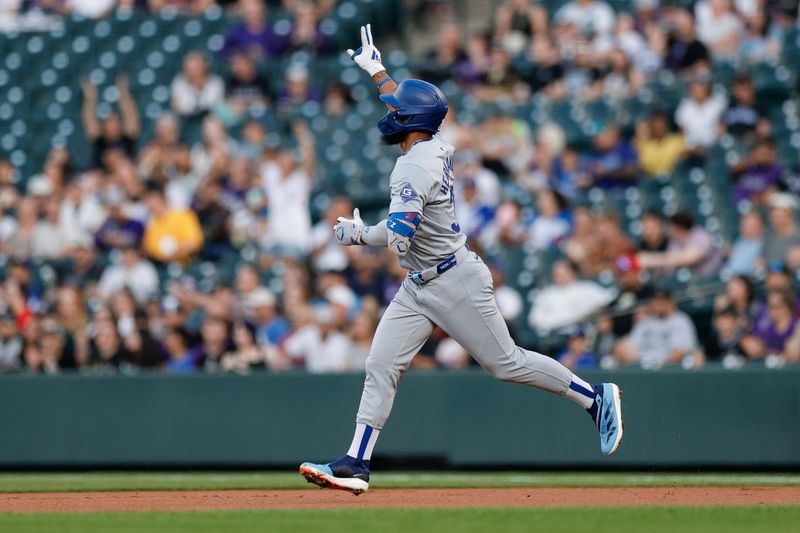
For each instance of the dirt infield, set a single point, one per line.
(430, 498)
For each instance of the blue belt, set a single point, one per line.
(424, 276)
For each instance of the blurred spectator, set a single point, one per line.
(245, 88)
(634, 295)
(593, 18)
(738, 298)
(106, 351)
(193, 7)
(161, 153)
(571, 173)
(253, 35)
(550, 223)
(338, 100)
(645, 49)
(326, 253)
(319, 346)
(287, 184)
(118, 230)
(743, 258)
(468, 167)
(195, 90)
(470, 72)
(297, 89)
(93, 9)
(516, 22)
(726, 340)
(214, 343)
(761, 41)
(115, 132)
(698, 116)
(568, 301)
(361, 332)
(744, 116)
(509, 300)
(271, 328)
(684, 52)
(658, 148)
(782, 244)
(664, 336)
(181, 360)
(20, 244)
(598, 242)
(611, 242)
(772, 330)
(578, 353)
(11, 343)
(718, 27)
(690, 245)
(758, 174)
(469, 208)
(547, 73)
(170, 235)
(503, 143)
(450, 354)
(653, 237)
(581, 245)
(615, 78)
(214, 220)
(500, 80)
(44, 347)
(613, 161)
(81, 267)
(52, 238)
(245, 354)
(446, 58)
(306, 34)
(792, 347)
(132, 272)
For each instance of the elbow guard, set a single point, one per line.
(402, 227)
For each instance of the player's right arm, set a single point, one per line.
(368, 58)
(394, 232)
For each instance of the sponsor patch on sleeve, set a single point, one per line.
(407, 193)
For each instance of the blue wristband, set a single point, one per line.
(384, 80)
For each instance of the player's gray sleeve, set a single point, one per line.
(377, 235)
(683, 335)
(411, 189)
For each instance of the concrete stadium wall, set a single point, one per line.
(709, 418)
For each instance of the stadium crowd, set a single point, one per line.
(120, 264)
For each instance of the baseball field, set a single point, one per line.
(431, 501)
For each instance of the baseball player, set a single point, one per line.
(447, 284)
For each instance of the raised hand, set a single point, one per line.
(367, 55)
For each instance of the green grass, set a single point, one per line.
(100, 481)
(652, 520)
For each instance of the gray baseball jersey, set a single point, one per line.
(422, 182)
(460, 300)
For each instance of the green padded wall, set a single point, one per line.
(674, 418)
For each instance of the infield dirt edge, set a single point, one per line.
(204, 500)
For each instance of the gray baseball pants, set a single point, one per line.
(460, 301)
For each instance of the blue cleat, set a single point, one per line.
(607, 415)
(346, 473)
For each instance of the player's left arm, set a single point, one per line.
(368, 57)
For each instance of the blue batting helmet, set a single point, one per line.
(419, 106)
